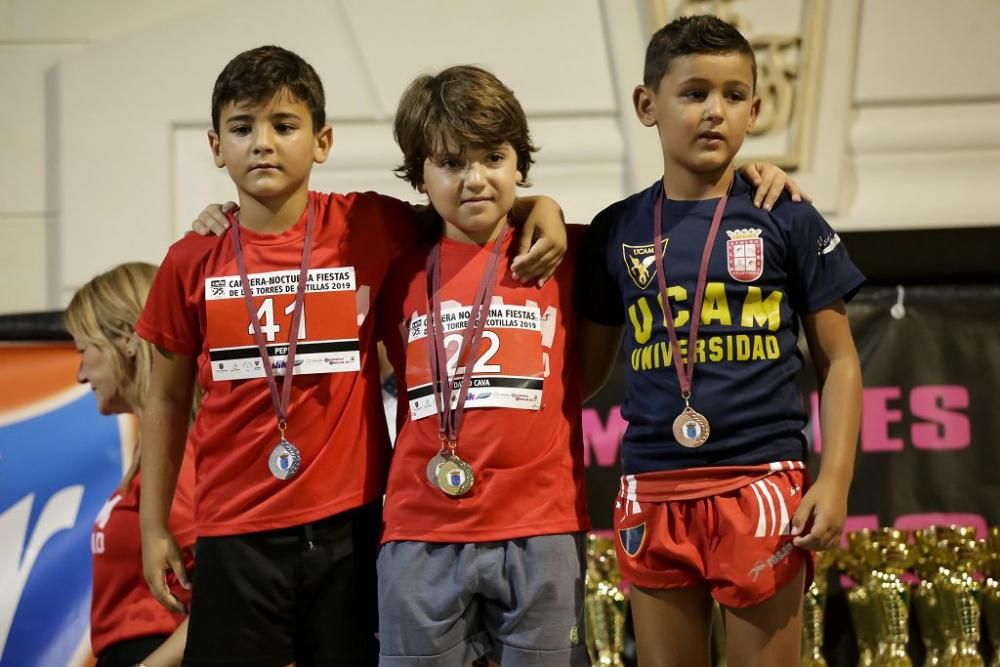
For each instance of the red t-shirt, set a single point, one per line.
(335, 418)
(122, 607)
(521, 431)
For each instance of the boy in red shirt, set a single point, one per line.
(485, 508)
(290, 473)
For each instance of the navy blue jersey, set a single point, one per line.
(766, 270)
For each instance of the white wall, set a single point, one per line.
(106, 103)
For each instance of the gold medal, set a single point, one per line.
(691, 428)
(445, 470)
(455, 476)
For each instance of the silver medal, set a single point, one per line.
(432, 469)
(691, 428)
(284, 460)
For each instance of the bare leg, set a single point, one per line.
(672, 626)
(769, 633)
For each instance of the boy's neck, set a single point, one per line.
(454, 233)
(272, 216)
(684, 185)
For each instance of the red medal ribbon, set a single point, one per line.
(450, 420)
(685, 375)
(280, 404)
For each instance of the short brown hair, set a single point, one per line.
(692, 35)
(259, 74)
(464, 104)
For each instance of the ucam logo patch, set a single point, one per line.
(640, 262)
(745, 254)
(59, 462)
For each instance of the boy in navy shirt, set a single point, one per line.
(709, 293)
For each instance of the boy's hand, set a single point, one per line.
(536, 262)
(543, 240)
(213, 220)
(160, 553)
(824, 507)
(770, 181)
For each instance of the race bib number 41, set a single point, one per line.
(507, 369)
(328, 326)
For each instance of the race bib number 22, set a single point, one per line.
(507, 370)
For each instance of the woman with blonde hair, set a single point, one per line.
(128, 626)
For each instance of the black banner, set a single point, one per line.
(928, 450)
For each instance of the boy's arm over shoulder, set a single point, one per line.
(389, 226)
(819, 266)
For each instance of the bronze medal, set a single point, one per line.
(691, 429)
(690, 426)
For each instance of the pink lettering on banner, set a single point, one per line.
(943, 429)
(876, 416)
(914, 521)
(603, 439)
(936, 418)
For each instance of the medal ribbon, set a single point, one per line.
(685, 375)
(450, 420)
(280, 404)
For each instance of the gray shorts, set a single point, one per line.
(518, 601)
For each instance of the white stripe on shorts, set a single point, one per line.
(770, 504)
(761, 528)
(784, 525)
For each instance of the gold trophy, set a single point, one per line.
(991, 590)
(939, 637)
(813, 608)
(880, 602)
(947, 599)
(605, 604)
(856, 561)
(960, 592)
(891, 596)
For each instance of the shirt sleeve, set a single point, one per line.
(596, 295)
(820, 269)
(166, 319)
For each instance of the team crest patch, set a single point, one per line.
(632, 538)
(640, 262)
(745, 254)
